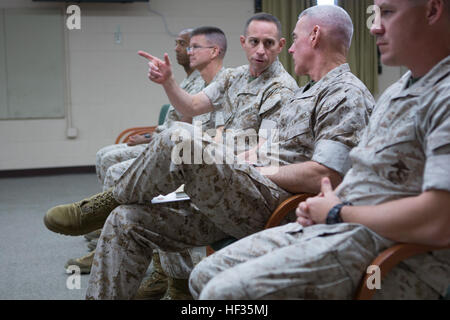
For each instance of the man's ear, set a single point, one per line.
(282, 43)
(435, 10)
(216, 51)
(242, 39)
(315, 36)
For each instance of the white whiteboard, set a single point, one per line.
(32, 71)
(3, 91)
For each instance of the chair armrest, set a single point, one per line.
(284, 208)
(388, 259)
(127, 133)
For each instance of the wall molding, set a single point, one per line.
(46, 171)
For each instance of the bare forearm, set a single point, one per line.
(424, 219)
(180, 99)
(302, 177)
(188, 105)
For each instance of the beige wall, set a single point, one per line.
(107, 81)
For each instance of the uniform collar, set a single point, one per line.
(195, 74)
(434, 76)
(269, 74)
(218, 74)
(323, 82)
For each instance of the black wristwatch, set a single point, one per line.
(147, 135)
(334, 215)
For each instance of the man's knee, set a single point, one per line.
(196, 281)
(221, 288)
(209, 283)
(120, 221)
(109, 158)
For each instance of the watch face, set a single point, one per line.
(334, 216)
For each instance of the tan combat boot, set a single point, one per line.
(93, 235)
(154, 287)
(81, 217)
(84, 263)
(178, 289)
(92, 244)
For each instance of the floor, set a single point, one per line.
(32, 258)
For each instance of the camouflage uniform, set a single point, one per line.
(229, 199)
(176, 265)
(112, 161)
(116, 153)
(404, 151)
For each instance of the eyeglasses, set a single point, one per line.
(195, 48)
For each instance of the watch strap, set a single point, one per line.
(334, 215)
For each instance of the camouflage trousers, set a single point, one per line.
(176, 265)
(113, 154)
(292, 262)
(226, 200)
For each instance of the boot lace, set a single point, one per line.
(100, 202)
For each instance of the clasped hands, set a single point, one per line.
(137, 139)
(315, 209)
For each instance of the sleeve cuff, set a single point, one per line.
(437, 173)
(214, 95)
(333, 155)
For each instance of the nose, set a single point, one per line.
(260, 49)
(291, 49)
(377, 28)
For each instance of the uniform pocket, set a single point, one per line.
(398, 137)
(300, 128)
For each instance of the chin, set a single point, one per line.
(388, 60)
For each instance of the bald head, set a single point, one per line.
(187, 32)
(336, 22)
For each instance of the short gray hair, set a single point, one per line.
(215, 36)
(334, 17)
(267, 17)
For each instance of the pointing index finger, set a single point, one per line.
(146, 55)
